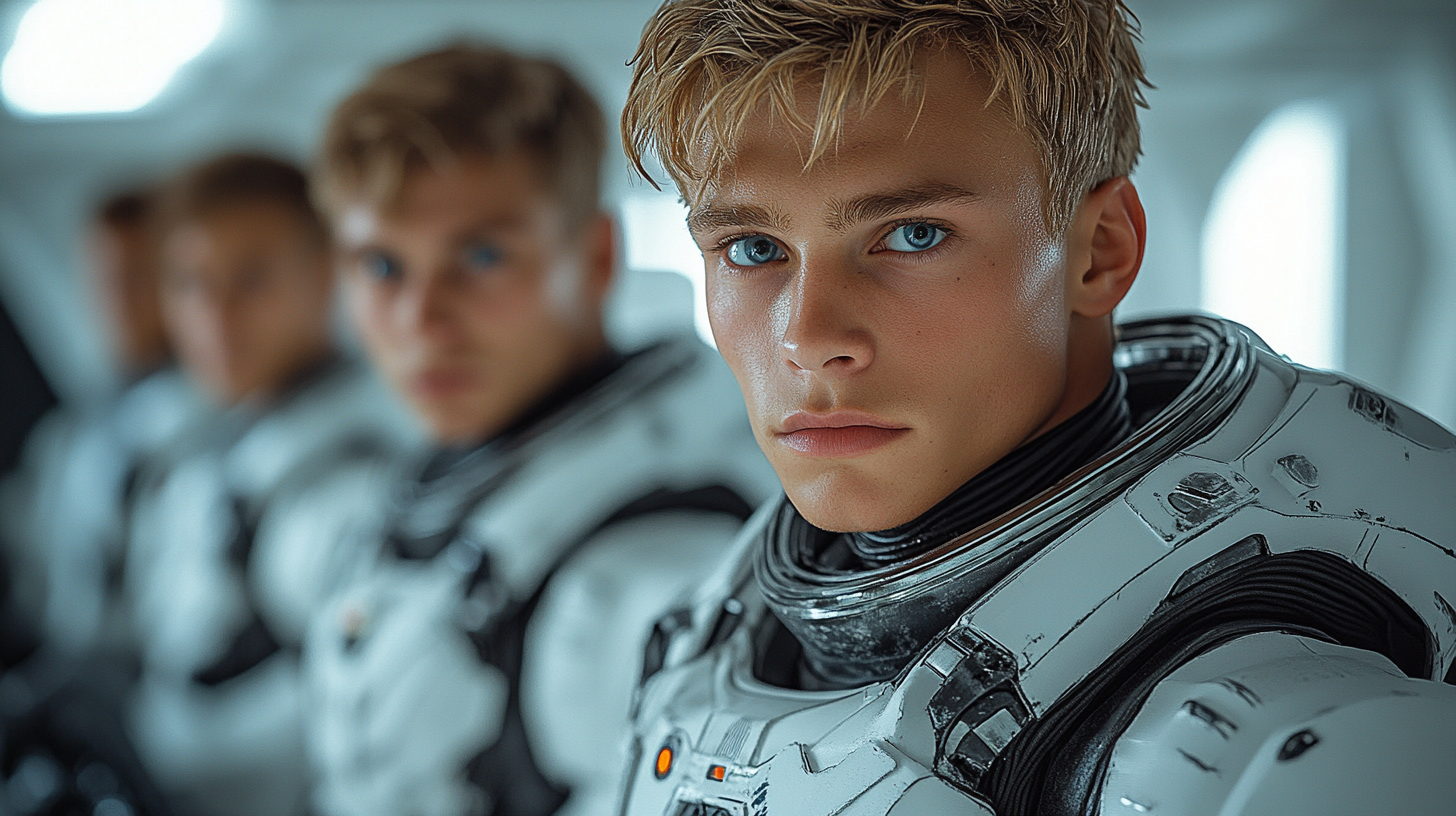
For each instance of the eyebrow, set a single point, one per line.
(748, 215)
(845, 214)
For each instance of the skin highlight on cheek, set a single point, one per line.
(565, 289)
(358, 223)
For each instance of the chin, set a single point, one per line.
(454, 431)
(848, 503)
(228, 392)
(460, 421)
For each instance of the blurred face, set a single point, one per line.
(471, 295)
(123, 265)
(900, 316)
(246, 295)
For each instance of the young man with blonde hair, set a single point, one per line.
(1029, 562)
(483, 660)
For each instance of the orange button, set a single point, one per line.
(717, 772)
(664, 761)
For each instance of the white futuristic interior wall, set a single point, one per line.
(1369, 91)
(1348, 260)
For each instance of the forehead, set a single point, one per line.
(943, 133)
(242, 230)
(472, 187)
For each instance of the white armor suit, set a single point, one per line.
(1242, 607)
(238, 532)
(64, 518)
(485, 663)
(63, 510)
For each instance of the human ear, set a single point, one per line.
(1106, 242)
(600, 238)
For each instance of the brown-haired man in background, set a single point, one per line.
(485, 661)
(124, 254)
(240, 527)
(1015, 572)
(62, 520)
(63, 508)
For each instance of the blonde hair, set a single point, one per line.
(1068, 71)
(464, 99)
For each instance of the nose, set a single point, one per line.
(214, 320)
(425, 304)
(825, 331)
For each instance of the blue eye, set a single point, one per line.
(916, 237)
(381, 267)
(755, 250)
(480, 257)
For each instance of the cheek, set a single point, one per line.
(745, 315)
(1041, 300)
(1012, 298)
(171, 313)
(564, 289)
(988, 343)
(271, 315)
(370, 309)
(511, 315)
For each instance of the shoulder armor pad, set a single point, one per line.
(1279, 724)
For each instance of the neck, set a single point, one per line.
(592, 347)
(1090, 341)
(311, 361)
(594, 364)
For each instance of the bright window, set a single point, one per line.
(73, 57)
(656, 236)
(1274, 239)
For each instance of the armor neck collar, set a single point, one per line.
(1016, 477)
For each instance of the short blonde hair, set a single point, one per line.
(1068, 71)
(463, 99)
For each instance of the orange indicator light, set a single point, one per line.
(717, 772)
(664, 761)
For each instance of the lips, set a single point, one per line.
(837, 435)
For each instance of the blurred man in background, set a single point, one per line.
(63, 518)
(240, 525)
(62, 509)
(485, 661)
